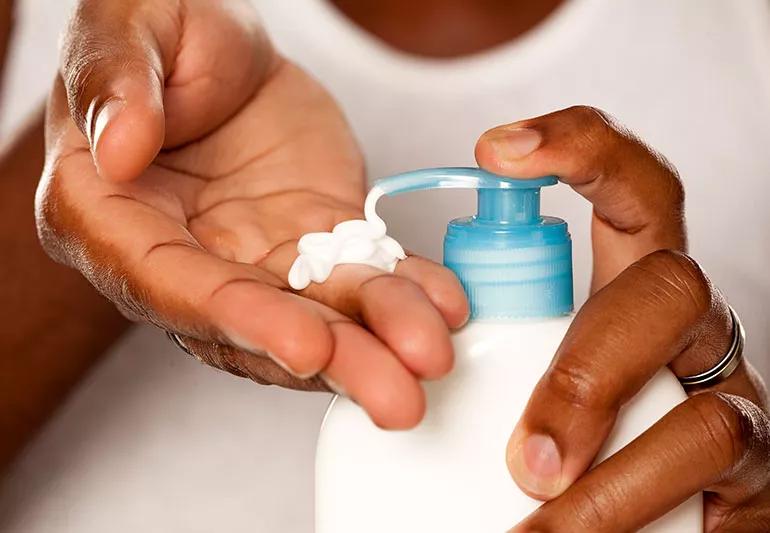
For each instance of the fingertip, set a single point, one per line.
(447, 293)
(371, 376)
(400, 406)
(306, 345)
(535, 463)
(400, 313)
(484, 153)
(507, 149)
(125, 123)
(259, 319)
(441, 286)
(427, 351)
(126, 138)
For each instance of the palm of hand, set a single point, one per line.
(255, 154)
(218, 211)
(284, 164)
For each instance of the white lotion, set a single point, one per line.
(449, 474)
(363, 242)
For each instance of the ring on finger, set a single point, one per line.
(726, 366)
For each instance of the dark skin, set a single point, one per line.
(446, 28)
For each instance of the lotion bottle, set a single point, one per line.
(449, 474)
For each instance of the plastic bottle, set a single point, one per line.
(449, 474)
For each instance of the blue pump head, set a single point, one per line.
(511, 261)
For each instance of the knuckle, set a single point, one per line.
(394, 285)
(680, 276)
(593, 510)
(80, 71)
(674, 193)
(226, 358)
(576, 384)
(597, 126)
(91, 54)
(213, 354)
(724, 422)
(589, 114)
(603, 134)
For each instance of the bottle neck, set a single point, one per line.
(508, 206)
(512, 271)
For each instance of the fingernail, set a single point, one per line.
(536, 465)
(515, 143)
(104, 116)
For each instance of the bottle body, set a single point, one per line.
(449, 474)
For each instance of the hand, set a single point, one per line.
(652, 306)
(185, 156)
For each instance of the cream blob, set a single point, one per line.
(362, 242)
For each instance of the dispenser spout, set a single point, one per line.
(456, 178)
(501, 200)
(511, 261)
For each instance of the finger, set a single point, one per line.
(361, 368)
(411, 321)
(664, 310)
(714, 442)
(114, 70)
(365, 370)
(258, 367)
(154, 269)
(121, 60)
(441, 285)
(637, 195)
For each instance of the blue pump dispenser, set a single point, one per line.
(511, 261)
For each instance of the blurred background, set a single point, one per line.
(33, 59)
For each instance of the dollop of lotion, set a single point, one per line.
(363, 242)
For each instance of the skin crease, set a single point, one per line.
(211, 208)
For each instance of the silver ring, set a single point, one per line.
(726, 366)
(173, 337)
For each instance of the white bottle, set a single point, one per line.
(449, 474)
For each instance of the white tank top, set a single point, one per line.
(156, 442)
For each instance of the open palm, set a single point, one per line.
(180, 174)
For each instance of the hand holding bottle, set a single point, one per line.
(651, 306)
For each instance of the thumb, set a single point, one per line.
(113, 71)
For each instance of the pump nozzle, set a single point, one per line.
(511, 261)
(455, 178)
(500, 199)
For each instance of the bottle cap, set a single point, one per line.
(511, 261)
